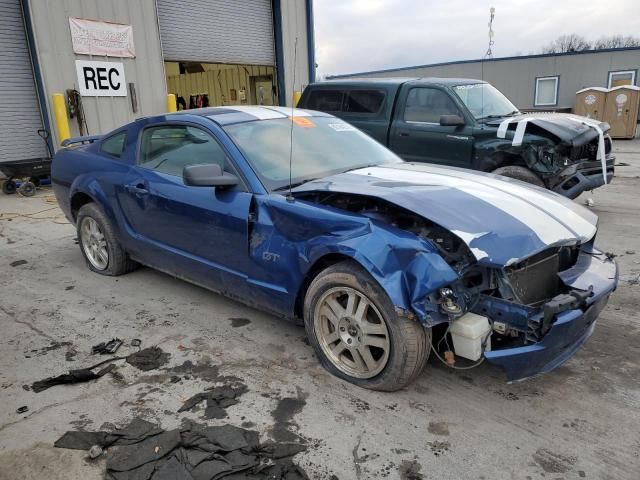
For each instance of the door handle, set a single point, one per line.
(138, 188)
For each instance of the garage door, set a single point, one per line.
(19, 109)
(222, 31)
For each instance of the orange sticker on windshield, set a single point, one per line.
(303, 122)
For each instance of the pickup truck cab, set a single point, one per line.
(469, 123)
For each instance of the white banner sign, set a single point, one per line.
(90, 37)
(101, 79)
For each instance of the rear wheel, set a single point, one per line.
(356, 333)
(520, 173)
(8, 187)
(99, 244)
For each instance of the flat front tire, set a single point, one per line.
(356, 333)
(99, 244)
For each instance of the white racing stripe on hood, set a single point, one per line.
(546, 217)
(552, 204)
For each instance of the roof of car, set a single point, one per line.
(396, 81)
(248, 113)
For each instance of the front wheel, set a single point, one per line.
(356, 333)
(99, 244)
(9, 187)
(520, 173)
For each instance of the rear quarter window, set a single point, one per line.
(364, 101)
(325, 100)
(114, 145)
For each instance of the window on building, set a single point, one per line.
(625, 77)
(326, 100)
(427, 105)
(364, 101)
(170, 148)
(114, 145)
(546, 91)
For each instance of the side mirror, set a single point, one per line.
(209, 175)
(451, 121)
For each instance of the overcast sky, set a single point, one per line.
(358, 35)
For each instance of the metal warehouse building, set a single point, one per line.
(117, 60)
(535, 82)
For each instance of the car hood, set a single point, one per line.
(567, 127)
(502, 220)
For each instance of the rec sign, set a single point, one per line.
(101, 79)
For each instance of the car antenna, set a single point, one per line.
(488, 54)
(290, 197)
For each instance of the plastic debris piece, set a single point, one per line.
(22, 409)
(449, 357)
(95, 451)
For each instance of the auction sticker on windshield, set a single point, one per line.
(303, 122)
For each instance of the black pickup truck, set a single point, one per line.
(469, 123)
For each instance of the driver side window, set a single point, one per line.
(170, 148)
(427, 105)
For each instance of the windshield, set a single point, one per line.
(322, 146)
(485, 101)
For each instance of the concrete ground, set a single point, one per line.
(580, 421)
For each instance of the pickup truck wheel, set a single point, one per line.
(520, 173)
(356, 333)
(99, 243)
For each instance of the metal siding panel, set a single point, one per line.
(50, 20)
(217, 32)
(294, 24)
(20, 116)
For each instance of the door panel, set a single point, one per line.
(418, 136)
(199, 233)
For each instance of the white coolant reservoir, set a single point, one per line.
(468, 332)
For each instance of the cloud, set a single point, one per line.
(359, 35)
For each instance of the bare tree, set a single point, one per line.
(616, 41)
(567, 43)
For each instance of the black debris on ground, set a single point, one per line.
(107, 348)
(237, 322)
(217, 398)
(49, 348)
(148, 358)
(74, 376)
(143, 451)
(17, 263)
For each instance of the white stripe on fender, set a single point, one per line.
(545, 217)
(595, 124)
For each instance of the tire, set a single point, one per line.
(520, 173)
(105, 240)
(402, 345)
(27, 189)
(9, 187)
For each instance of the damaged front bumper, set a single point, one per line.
(583, 176)
(594, 272)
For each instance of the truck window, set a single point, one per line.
(364, 101)
(325, 100)
(427, 105)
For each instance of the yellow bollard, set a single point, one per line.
(172, 106)
(296, 98)
(62, 121)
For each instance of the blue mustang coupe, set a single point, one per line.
(370, 251)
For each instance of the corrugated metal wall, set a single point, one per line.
(19, 109)
(50, 20)
(516, 78)
(217, 83)
(228, 31)
(294, 18)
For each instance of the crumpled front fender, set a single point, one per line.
(407, 267)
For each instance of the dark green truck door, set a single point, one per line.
(416, 134)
